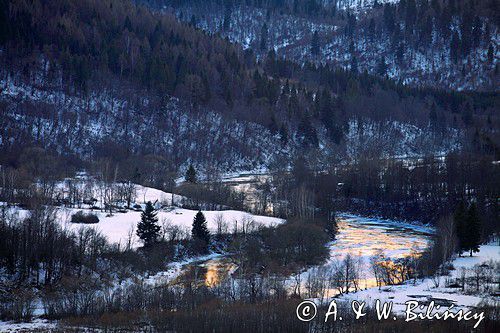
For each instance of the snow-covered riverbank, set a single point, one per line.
(443, 289)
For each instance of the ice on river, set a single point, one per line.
(363, 238)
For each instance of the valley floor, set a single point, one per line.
(360, 234)
(421, 290)
(120, 227)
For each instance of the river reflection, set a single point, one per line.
(208, 273)
(360, 237)
(364, 238)
(217, 270)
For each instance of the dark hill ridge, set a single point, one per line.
(106, 72)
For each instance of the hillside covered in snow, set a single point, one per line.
(421, 43)
(166, 92)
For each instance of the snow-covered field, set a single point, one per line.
(119, 227)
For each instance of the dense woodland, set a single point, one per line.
(110, 65)
(448, 44)
(78, 51)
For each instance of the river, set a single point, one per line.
(358, 236)
(363, 238)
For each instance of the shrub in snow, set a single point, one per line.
(81, 217)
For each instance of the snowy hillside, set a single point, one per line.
(82, 123)
(359, 42)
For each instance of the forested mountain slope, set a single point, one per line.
(92, 79)
(120, 125)
(446, 44)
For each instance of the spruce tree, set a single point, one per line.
(227, 17)
(191, 174)
(460, 221)
(283, 135)
(263, 37)
(4, 28)
(147, 229)
(199, 231)
(382, 67)
(455, 47)
(354, 64)
(400, 53)
(315, 43)
(192, 21)
(433, 117)
(490, 53)
(472, 230)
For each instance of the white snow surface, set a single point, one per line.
(121, 226)
(118, 227)
(35, 325)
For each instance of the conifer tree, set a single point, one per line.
(354, 64)
(4, 28)
(191, 175)
(433, 117)
(315, 43)
(147, 229)
(490, 53)
(382, 67)
(227, 17)
(472, 230)
(400, 52)
(459, 217)
(200, 231)
(455, 47)
(192, 21)
(283, 134)
(263, 37)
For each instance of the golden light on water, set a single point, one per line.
(361, 240)
(366, 240)
(212, 276)
(216, 270)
